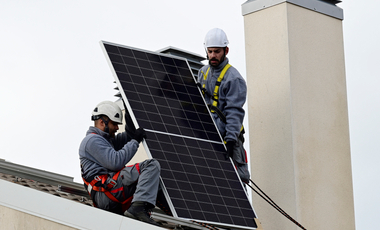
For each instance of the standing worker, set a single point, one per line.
(225, 92)
(103, 155)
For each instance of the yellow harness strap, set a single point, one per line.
(217, 84)
(215, 96)
(204, 78)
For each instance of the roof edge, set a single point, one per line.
(64, 211)
(322, 7)
(38, 174)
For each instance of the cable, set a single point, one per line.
(273, 204)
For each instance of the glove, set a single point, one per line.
(139, 135)
(230, 149)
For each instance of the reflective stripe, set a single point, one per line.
(89, 188)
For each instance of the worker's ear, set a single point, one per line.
(227, 49)
(99, 124)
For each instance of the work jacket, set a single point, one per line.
(232, 96)
(100, 154)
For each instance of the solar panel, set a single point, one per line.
(161, 96)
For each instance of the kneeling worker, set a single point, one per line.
(103, 155)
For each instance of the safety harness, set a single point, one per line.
(98, 184)
(215, 96)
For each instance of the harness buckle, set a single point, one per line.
(111, 184)
(97, 178)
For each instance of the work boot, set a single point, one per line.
(139, 211)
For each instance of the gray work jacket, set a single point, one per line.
(99, 154)
(232, 96)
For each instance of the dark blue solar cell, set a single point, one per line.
(171, 69)
(143, 64)
(147, 73)
(182, 211)
(167, 174)
(158, 67)
(143, 89)
(180, 63)
(180, 176)
(173, 129)
(116, 58)
(211, 216)
(126, 52)
(129, 60)
(120, 67)
(111, 49)
(153, 57)
(184, 185)
(167, 61)
(139, 54)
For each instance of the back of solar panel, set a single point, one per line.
(162, 97)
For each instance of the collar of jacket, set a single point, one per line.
(99, 132)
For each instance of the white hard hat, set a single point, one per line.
(215, 38)
(110, 109)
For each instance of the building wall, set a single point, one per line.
(299, 136)
(11, 219)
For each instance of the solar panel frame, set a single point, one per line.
(177, 69)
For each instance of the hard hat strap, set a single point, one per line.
(106, 129)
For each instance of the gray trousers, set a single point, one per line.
(140, 181)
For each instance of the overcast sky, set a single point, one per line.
(53, 73)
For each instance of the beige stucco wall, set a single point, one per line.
(11, 219)
(299, 136)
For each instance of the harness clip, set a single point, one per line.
(111, 184)
(97, 178)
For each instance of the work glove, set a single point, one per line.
(139, 135)
(230, 149)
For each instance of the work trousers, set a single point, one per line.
(140, 181)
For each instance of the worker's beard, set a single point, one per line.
(217, 63)
(214, 64)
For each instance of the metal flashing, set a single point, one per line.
(182, 222)
(322, 7)
(181, 53)
(38, 175)
(195, 60)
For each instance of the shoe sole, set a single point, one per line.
(127, 214)
(130, 215)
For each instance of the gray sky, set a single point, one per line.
(53, 73)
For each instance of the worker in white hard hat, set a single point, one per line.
(129, 190)
(225, 92)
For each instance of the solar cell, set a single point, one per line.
(162, 97)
